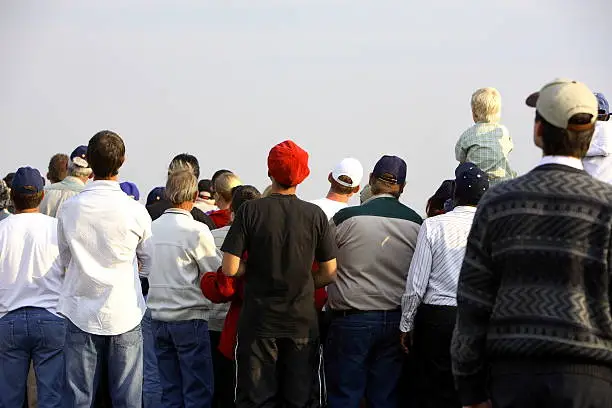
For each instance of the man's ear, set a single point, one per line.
(356, 189)
(195, 196)
(330, 178)
(537, 134)
(402, 186)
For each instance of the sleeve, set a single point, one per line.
(418, 278)
(64, 249)
(460, 151)
(236, 240)
(217, 287)
(205, 252)
(145, 247)
(476, 293)
(326, 246)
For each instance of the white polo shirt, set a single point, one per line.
(30, 273)
(101, 234)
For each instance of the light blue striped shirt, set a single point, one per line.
(436, 263)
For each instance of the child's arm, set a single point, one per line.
(460, 152)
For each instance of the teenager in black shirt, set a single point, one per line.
(277, 351)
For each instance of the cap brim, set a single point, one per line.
(532, 99)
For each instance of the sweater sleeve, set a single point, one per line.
(476, 295)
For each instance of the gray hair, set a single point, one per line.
(182, 186)
(78, 171)
(378, 187)
(179, 165)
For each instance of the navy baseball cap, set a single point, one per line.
(471, 182)
(130, 189)
(463, 167)
(79, 156)
(603, 106)
(155, 195)
(391, 169)
(28, 181)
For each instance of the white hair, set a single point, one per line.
(486, 105)
(78, 171)
(182, 186)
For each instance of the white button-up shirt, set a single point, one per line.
(30, 275)
(101, 233)
(436, 263)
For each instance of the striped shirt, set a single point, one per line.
(434, 270)
(487, 145)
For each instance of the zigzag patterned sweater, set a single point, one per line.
(536, 282)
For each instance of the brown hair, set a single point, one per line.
(564, 142)
(105, 153)
(58, 168)
(28, 201)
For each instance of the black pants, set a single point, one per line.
(276, 372)
(556, 385)
(433, 332)
(224, 373)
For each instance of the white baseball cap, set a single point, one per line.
(351, 168)
(561, 99)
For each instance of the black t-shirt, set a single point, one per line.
(157, 209)
(282, 235)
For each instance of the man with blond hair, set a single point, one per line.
(487, 143)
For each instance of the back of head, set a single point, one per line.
(79, 166)
(185, 161)
(5, 197)
(105, 154)
(205, 189)
(566, 113)
(242, 194)
(181, 186)
(288, 164)
(486, 105)
(27, 189)
(216, 175)
(224, 185)
(388, 176)
(58, 168)
(155, 195)
(471, 183)
(346, 176)
(435, 204)
(8, 179)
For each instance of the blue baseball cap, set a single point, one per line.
(155, 195)
(391, 169)
(28, 181)
(603, 106)
(79, 156)
(130, 189)
(471, 182)
(463, 167)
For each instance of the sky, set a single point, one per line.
(226, 80)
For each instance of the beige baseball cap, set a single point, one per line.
(561, 99)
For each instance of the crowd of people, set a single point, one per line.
(218, 294)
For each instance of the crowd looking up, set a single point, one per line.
(214, 294)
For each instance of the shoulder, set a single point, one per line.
(136, 208)
(386, 207)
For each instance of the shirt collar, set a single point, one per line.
(103, 185)
(563, 160)
(464, 209)
(379, 196)
(178, 211)
(73, 180)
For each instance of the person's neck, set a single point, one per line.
(283, 191)
(186, 206)
(28, 211)
(111, 178)
(341, 198)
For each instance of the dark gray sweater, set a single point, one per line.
(536, 282)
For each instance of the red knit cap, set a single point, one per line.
(288, 163)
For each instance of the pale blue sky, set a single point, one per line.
(225, 80)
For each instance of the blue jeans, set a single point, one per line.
(363, 358)
(32, 333)
(151, 387)
(185, 363)
(86, 352)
